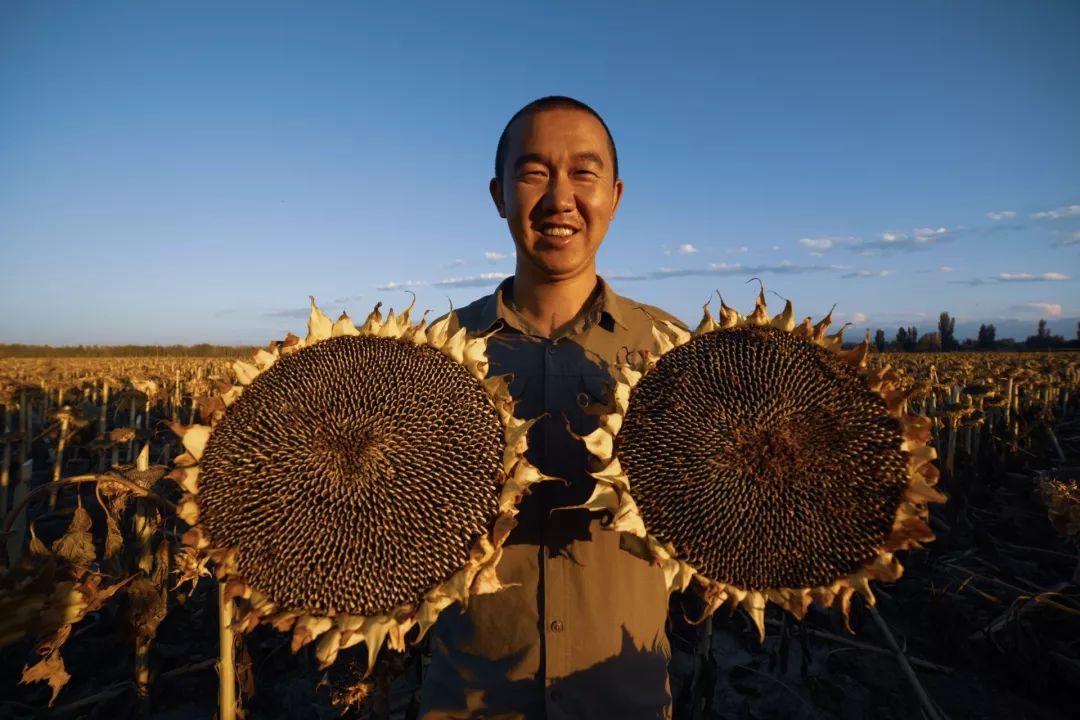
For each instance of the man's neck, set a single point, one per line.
(551, 305)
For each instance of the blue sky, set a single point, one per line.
(188, 172)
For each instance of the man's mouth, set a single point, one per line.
(557, 231)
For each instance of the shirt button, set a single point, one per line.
(551, 349)
(556, 626)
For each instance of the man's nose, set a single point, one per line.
(560, 194)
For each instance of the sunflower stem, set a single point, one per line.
(226, 661)
(137, 490)
(58, 465)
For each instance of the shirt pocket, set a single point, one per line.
(594, 392)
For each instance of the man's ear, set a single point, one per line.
(617, 198)
(495, 188)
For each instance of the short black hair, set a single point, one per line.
(551, 102)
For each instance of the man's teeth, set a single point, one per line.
(558, 231)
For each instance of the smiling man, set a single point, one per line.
(580, 632)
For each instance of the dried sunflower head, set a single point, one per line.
(1062, 499)
(757, 462)
(358, 481)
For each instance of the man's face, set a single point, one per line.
(558, 193)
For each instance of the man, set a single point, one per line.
(580, 634)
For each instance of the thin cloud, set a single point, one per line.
(482, 280)
(858, 317)
(1001, 215)
(401, 285)
(684, 249)
(783, 268)
(1029, 277)
(1014, 277)
(492, 256)
(456, 262)
(1067, 211)
(865, 274)
(349, 299)
(820, 245)
(896, 241)
(741, 250)
(1048, 309)
(1069, 241)
(947, 269)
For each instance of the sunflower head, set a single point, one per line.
(355, 482)
(757, 461)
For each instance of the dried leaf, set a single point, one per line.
(52, 643)
(77, 544)
(51, 670)
(147, 606)
(114, 539)
(95, 597)
(245, 669)
(37, 547)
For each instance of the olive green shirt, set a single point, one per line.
(581, 632)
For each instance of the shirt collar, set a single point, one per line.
(606, 303)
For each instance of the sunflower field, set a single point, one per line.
(109, 609)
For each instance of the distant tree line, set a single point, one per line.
(907, 339)
(17, 350)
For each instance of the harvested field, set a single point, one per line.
(984, 623)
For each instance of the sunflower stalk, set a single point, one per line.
(132, 411)
(58, 463)
(12, 516)
(103, 419)
(226, 660)
(5, 468)
(176, 398)
(144, 526)
(25, 424)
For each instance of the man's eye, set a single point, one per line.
(587, 174)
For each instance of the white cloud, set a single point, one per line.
(947, 268)
(1050, 309)
(1002, 215)
(864, 273)
(816, 243)
(686, 249)
(858, 317)
(1068, 241)
(776, 248)
(492, 256)
(401, 285)
(929, 235)
(482, 280)
(738, 251)
(1058, 213)
(891, 237)
(1030, 277)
